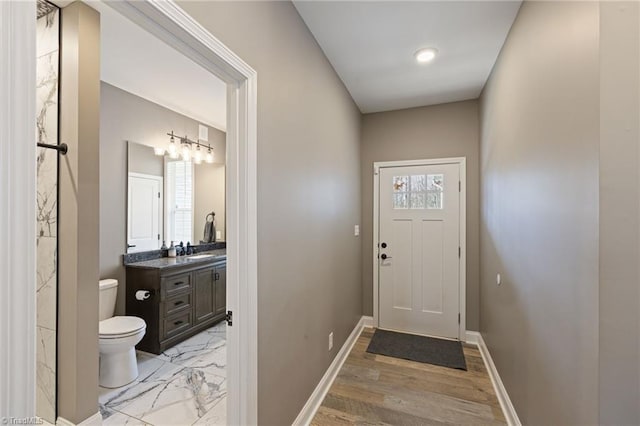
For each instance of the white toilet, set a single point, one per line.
(118, 338)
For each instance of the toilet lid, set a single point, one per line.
(119, 326)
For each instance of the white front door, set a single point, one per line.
(145, 206)
(418, 247)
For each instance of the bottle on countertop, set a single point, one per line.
(172, 250)
(189, 249)
(164, 245)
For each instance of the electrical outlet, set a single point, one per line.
(498, 279)
(356, 230)
(331, 340)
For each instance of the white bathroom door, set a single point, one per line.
(145, 212)
(419, 249)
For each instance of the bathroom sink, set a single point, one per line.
(200, 256)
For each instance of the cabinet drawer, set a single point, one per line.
(176, 284)
(176, 324)
(177, 303)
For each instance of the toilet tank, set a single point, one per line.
(107, 298)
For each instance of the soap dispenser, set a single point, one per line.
(172, 250)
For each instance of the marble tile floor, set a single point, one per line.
(185, 385)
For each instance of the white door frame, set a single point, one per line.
(18, 208)
(462, 162)
(173, 25)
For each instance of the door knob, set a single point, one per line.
(384, 245)
(384, 256)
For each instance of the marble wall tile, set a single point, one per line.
(47, 30)
(47, 74)
(45, 373)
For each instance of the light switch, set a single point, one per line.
(356, 230)
(218, 235)
(498, 279)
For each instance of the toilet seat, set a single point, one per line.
(119, 327)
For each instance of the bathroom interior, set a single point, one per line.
(162, 288)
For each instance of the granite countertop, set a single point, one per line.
(172, 262)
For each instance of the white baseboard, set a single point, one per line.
(472, 337)
(367, 322)
(316, 398)
(501, 392)
(95, 420)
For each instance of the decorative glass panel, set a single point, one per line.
(400, 183)
(434, 200)
(400, 201)
(418, 183)
(434, 183)
(418, 200)
(418, 191)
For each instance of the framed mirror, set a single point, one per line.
(169, 199)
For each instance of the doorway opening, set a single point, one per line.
(419, 247)
(202, 308)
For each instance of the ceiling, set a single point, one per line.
(371, 46)
(138, 62)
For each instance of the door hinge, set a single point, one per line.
(459, 252)
(458, 317)
(158, 195)
(158, 237)
(459, 186)
(229, 318)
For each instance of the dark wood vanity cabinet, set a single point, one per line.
(184, 300)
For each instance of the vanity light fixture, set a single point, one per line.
(173, 149)
(188, 149)
(197, 156)
(209, 157)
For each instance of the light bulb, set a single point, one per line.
(186, 155)
(186, 149)
(158, 150)
(197, 156)
(173, 150)
(209, 156)
(426, 55)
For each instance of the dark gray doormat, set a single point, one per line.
(447, 353)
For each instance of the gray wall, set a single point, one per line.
(79, 214)
(209, 196)
(309, 266)
(539, 213)
(142, 159)
(447, 130)
(619, 213)
(126, 117)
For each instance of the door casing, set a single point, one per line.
(462, 162)
(169, 22)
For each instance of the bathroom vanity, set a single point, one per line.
(187, 295)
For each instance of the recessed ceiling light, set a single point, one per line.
(426, 55)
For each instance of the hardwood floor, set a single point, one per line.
(378, 390)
